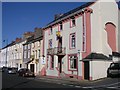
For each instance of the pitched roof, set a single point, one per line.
(70, 12)
(97, 56)
(116, 54)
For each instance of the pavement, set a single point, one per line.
(11, 81)
(101, 84)
(73, 80)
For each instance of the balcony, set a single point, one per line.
(50, 51)
(56, 51)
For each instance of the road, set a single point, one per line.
(12, 81)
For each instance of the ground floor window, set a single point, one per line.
(72, 62)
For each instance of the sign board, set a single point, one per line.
(43, 61)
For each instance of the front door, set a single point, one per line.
(86, 70)
(60, 64)
(32, 67)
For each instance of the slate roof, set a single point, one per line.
(71, 12)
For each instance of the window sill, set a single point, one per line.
(72, 69)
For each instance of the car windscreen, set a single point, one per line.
(115, 65)
(9, 68)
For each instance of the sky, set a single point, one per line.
(0, 25)
(20, 17)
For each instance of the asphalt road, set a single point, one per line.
(13, 81)
(10, 81)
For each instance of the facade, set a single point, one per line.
(33, 52)
(36, 52)
(90, 29)
(11, 55)
(3, 57)
(0, 59)
(27, 51)
(78, 44)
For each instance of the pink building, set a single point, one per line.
(82, 42)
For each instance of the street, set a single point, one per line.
(12, 81)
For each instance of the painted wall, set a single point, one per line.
(118, 30)
(98, 69)
(100, 16)
(65, 33)
(3, 58)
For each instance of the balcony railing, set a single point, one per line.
(56, 51)
(50, 51)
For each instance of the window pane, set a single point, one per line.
(73, 41)
(73, 62)
(50, 43)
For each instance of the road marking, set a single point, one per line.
(71, 85)
(87, 87)
(78, 86)
(111, 87)
(63, 84)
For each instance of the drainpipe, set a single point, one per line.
(78, 62)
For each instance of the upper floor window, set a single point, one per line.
(25, 47)
(39, 52)
(28, 53)
(33, 45)
(28, 46)
(72, 40)
(20, 45)
(38, 43)
(72, 22)
(50, 43)
(36, 54)
(25, 54)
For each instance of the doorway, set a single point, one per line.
(60, 64)
(32, 67)
(86, 70)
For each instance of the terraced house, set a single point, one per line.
(81, 41)
(33, 51)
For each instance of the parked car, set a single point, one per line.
(25, 72)
(11, 70)
(4, 69)
(0, 69)
(114, 70)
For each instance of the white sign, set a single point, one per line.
(43, 60)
